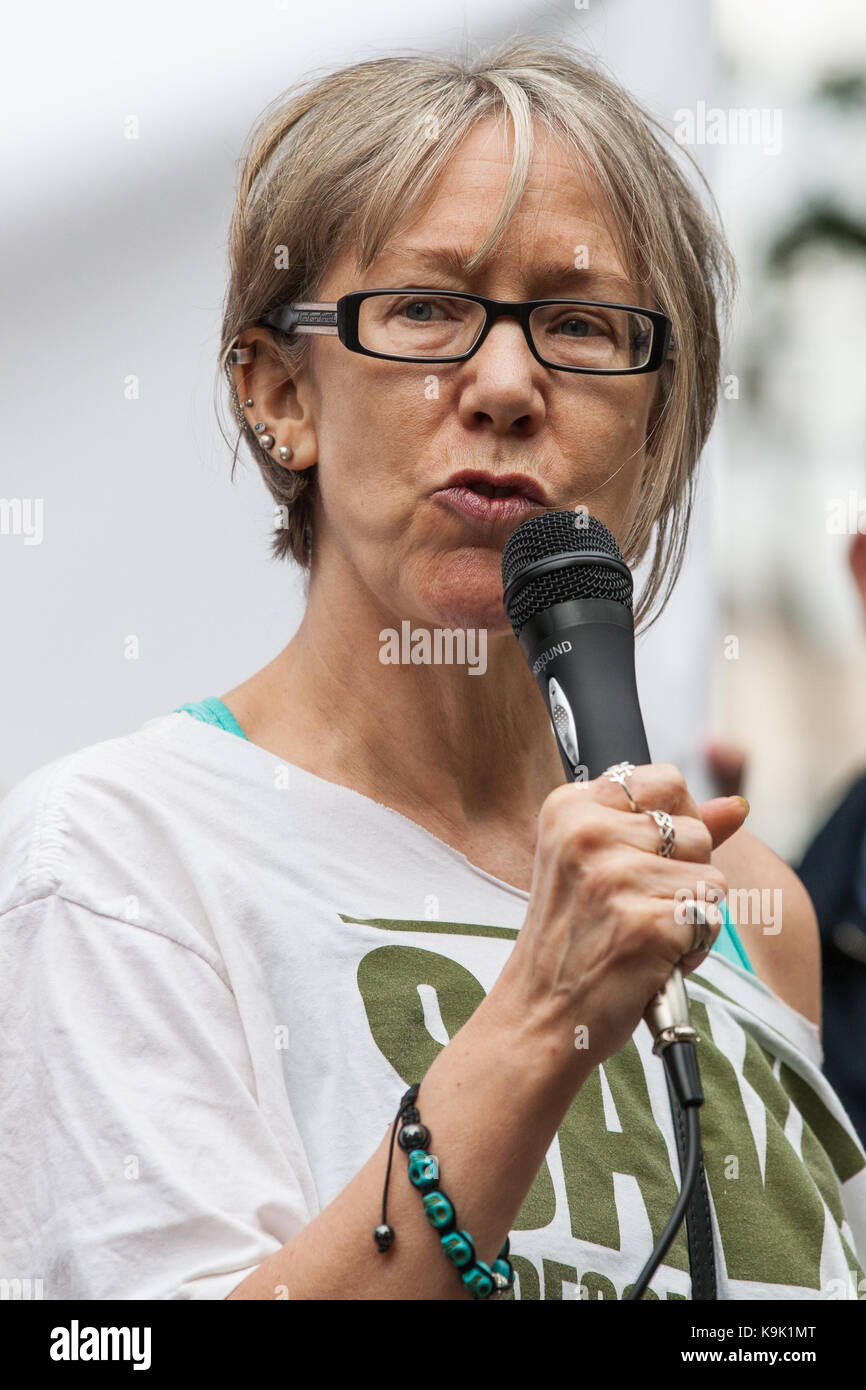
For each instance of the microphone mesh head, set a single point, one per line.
(547, 537)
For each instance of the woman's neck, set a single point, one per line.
(470, 747)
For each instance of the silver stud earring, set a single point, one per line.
(267, 441)
(249, 401)
(285, 454)
(259, 426)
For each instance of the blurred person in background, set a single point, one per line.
(726, 763)
(833, 869)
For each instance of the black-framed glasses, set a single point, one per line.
(409, 325)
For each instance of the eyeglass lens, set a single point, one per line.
(413, 325)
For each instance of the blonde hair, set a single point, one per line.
(317, 180)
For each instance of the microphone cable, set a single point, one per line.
(681, 1067)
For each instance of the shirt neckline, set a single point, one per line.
(414, 826)
(340, 787)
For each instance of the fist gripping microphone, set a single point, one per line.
(568, 595)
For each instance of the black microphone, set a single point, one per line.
(568, 595)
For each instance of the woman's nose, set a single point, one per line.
(500, 382)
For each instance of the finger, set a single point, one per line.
(675, 837)
(680, 881)
(692, 839)
(692, 960)
(659, 786)
(681, 928)
(723, 816)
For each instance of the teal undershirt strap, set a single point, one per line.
(729, 945)
(213, 711)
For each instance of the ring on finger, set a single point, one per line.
(618, 772)
(703, 930)
(667, 834)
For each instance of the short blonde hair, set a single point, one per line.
(317, 180)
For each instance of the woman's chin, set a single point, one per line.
(466, 610)
(465, 590)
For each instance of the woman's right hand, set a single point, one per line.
(601, 934)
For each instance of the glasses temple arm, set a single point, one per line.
(303, 318)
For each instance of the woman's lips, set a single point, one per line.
(475, 506)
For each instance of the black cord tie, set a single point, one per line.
(384, 1234)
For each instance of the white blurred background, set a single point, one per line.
(114, 269)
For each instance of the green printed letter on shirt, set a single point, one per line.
(389, 979)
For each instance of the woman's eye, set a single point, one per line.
(581, 328)
(419, 310)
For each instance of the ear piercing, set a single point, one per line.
(267, 442)
(266, 439)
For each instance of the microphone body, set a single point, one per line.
(581, 653)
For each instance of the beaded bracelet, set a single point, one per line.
(481, 1280)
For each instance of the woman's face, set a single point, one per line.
(388, 435)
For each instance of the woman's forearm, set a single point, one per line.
(492, 1101)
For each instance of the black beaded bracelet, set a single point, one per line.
(482, 1280)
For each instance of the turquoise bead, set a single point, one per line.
(479, 1279)
(458, 1247)
(505, 1270)
(423, 1169)
(439, 1210)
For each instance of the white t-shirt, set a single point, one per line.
(218, 975)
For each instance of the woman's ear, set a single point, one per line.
(281, 404)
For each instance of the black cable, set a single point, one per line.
(681, 1063)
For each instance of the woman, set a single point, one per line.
(234, 940)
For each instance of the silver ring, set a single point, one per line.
(703, 930)
(618, 772)
(667, 834)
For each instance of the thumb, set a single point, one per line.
(723, 816)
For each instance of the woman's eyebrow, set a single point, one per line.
(586, 279)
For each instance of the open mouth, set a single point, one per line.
(488, 490)
(488, 501)
(484, 484)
